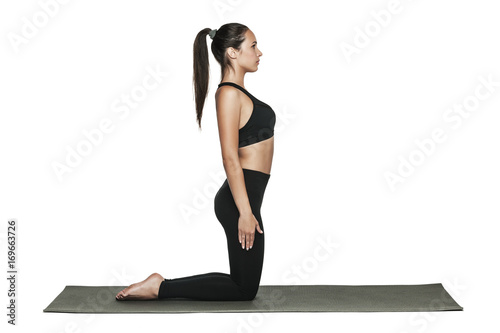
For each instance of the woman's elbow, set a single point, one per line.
(231, 163)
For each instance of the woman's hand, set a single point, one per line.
(246, 230)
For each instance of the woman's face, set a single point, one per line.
(249, 53)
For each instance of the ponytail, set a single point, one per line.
(200, 71)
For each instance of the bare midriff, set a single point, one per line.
(258, 156)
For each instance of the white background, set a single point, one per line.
(343, 122)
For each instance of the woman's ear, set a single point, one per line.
(231, 53)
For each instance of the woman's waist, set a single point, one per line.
(258, 156)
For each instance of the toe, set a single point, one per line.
(121, 294)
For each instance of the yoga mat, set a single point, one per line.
(270, 298)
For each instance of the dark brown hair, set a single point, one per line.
(228, 35)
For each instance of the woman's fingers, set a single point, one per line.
(246, 239)
(250, 241)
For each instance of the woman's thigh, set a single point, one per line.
(245, 265)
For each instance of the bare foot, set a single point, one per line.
(144, 290)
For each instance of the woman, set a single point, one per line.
(246, 133)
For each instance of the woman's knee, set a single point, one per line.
(249, 293)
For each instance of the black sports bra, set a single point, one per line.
(260, 125)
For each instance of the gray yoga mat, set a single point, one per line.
(271, 298)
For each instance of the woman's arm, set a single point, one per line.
(228, 106)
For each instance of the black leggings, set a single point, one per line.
(243, 281)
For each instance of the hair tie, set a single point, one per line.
(212, 33)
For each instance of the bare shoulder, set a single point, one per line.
(227, 95)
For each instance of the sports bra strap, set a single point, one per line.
(237, 86)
